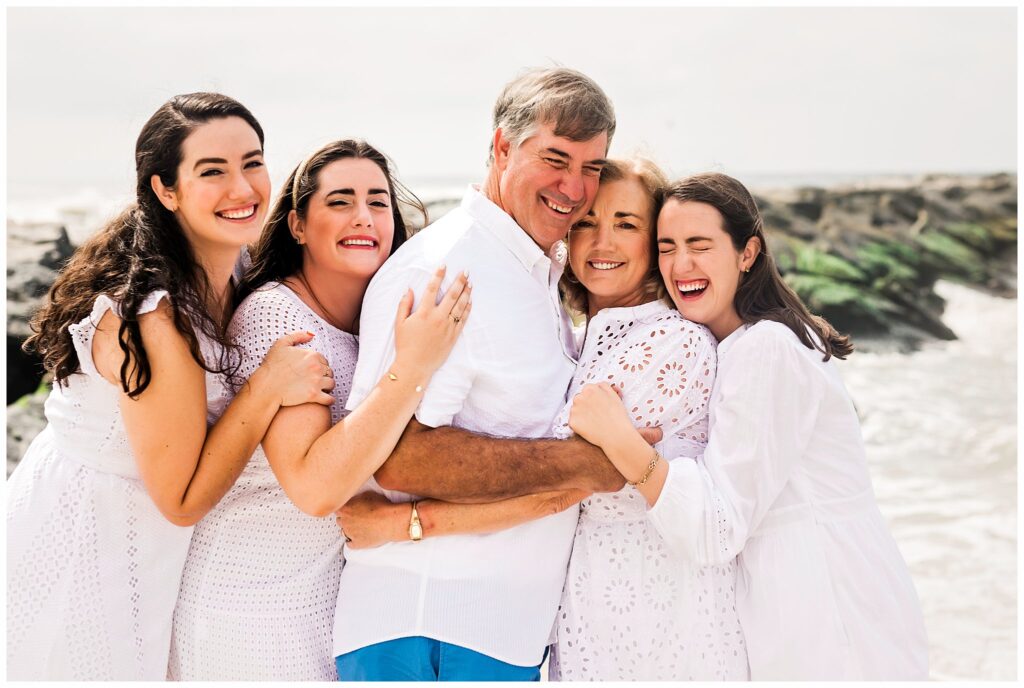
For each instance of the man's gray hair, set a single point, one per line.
(576, 106)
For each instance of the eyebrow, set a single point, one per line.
(563, 154)
(222, 161)
(622, 213)
(352, 192)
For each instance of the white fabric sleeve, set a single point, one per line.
(449, 385)
(765, 412)
(264, 317)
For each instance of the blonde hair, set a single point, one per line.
(654, 183)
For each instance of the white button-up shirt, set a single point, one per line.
(507, 376)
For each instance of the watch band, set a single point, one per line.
(415, 527)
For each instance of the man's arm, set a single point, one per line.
(460, 466)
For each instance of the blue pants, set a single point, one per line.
(426, 659)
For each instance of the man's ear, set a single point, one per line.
(164, 194)
(502, 146)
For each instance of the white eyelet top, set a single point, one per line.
(632, 608)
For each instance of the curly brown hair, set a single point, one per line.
(140, 251)
(654, 182)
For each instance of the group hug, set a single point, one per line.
(290, 439)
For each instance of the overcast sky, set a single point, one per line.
(747, 91)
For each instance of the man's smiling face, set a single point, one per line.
(548, 182)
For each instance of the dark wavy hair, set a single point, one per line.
(142, 250)
(762, 294)
(276, 255)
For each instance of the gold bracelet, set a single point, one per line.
(394, 378)
(650, 469)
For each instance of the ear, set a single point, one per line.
(163, 193)
(750, 253)
(295, 226)
(502, 146)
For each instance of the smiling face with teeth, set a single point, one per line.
(701, 267)
(348, 224)
(220, 197)
(610, 248)
(547, 182)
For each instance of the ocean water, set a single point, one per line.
(940, 426)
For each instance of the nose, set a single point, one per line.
(572, 186)
(682, 265)
(241, 188)
(603, 238)
(363, 218)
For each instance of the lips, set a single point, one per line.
(236, 214)
(560, 209)
(604, 264)
(359, 242)
(692, 289)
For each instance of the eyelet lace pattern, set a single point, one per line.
(632, 609)
(261, 580)
(92, 565)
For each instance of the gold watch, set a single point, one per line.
(415, 528)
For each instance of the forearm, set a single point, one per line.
(227, 448)
(632, 456)
(343, 458)
(459, 466)
(448, 518)
(371, 522)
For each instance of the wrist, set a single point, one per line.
(405, 373)
(261, 389)
(632, 456)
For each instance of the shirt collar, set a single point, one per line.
(504, 228)
(726, 344)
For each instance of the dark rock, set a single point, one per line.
(25, 420)
(35, 254)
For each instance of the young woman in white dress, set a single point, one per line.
(261, 580)
(632, 607)
(823, 592)
(141, 440)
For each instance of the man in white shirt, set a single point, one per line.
(481, 607)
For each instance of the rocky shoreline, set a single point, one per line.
(866, 257)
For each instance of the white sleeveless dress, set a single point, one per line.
(261, 580)
(633, 609)
(93, 568)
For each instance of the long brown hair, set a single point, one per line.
(142, 250)
(276, 255)
(762, 294)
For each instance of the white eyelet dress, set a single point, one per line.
(632, 608)
(93, 568)
(261, 581)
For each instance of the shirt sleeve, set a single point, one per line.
(263, 318)
(449, 385)
(765, 412)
